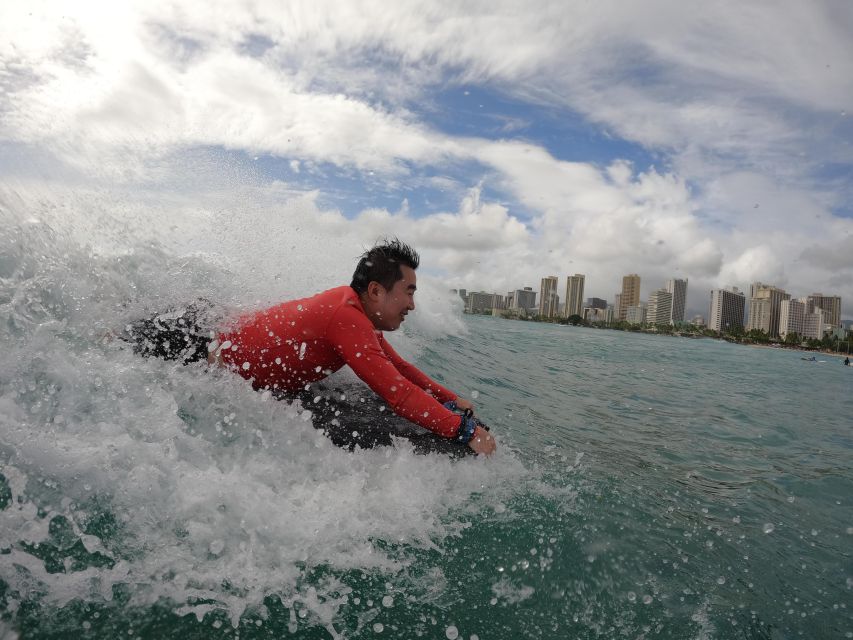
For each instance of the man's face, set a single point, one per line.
(387, 308)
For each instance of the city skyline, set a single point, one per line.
(762, 317)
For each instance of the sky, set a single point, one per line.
(506, 141)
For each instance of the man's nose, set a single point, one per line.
(411, 304)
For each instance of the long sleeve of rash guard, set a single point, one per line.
(353, 336)
(415, 375)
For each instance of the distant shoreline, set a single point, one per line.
(831, 354)
(681, 334)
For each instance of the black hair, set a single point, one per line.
(382, 264)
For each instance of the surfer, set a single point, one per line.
(289, 348)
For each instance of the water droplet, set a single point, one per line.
(378, 627)
(647, 599)
(452, 633)
(475, 394)
(736, 519)
(388, 601)
(790, 498)
(768, 527)
(632, 596)
(721, 580)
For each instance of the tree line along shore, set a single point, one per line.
(830, 343)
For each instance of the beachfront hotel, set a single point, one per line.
(659, 309)
(630, 296)
(549, 301)
(678, 288)
(765, 307)
(574, 294)
(830, 304)
(727, 307)
(791, 318)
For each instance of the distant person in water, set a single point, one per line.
(847, 361)
(290, 347)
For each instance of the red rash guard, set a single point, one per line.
(302, 341)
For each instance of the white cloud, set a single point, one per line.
(742, 103)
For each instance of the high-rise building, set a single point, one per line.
(659, 310)
(522, 299)
(574, 294)
(816, 324)
(480, 302)
(630, 294)
(830, 304)
(791, 317)
(678, 289)
(596, 303)
(617, 306)
(727, 307)
(593, 314)
(549, 302)
(764, 308)
(636, 314)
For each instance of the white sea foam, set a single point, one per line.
(219, 493)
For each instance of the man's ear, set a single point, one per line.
(375, 290)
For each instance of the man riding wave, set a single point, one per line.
(290, 347)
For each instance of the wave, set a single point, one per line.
(179, 483)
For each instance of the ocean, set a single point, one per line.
(644, 486)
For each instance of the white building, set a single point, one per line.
(593, 314)
(816, 324)
(549, 301)
(636, 314)
(678, 289)
(791, 318)
(659, 310)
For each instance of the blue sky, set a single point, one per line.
(507, 142)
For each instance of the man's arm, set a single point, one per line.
(424, 381)
(353, 337)
(415, 375)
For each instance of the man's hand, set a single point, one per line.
(464, 405)
(482, 442)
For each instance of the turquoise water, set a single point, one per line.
(645, 487)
